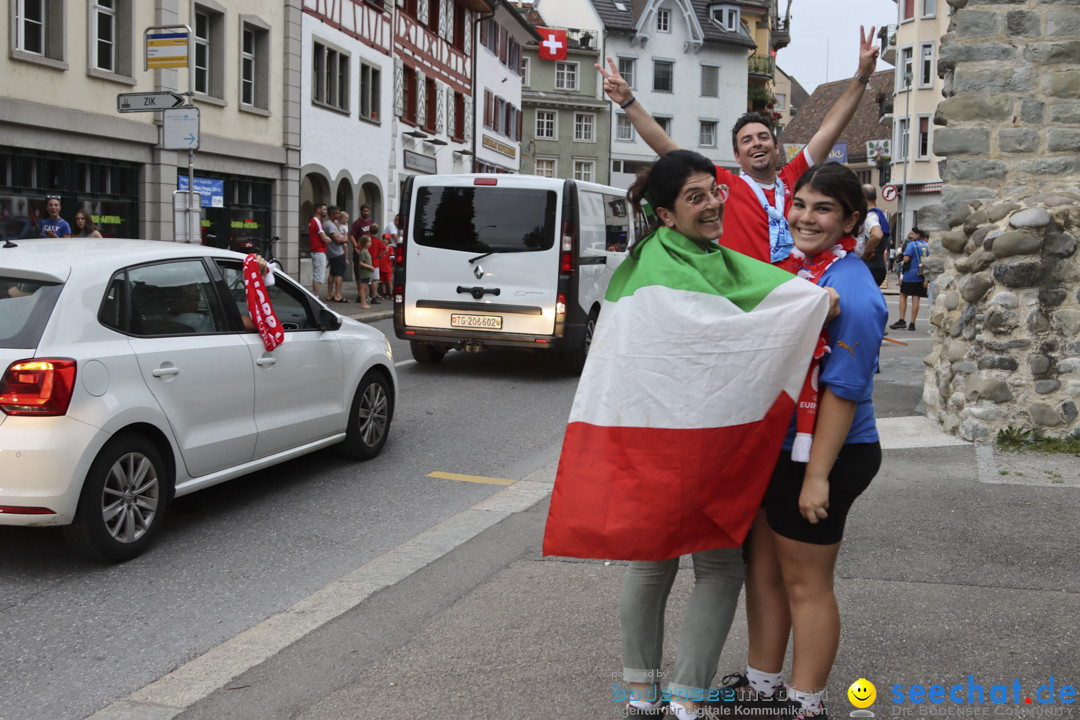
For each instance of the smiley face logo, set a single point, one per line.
(862, 693)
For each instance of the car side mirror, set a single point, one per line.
(328, 320)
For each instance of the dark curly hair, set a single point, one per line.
(841, 184)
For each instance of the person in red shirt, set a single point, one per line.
(377, 250)
(748, 227)
(318, 238)
(386, 266)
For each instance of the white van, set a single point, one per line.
(513, 261)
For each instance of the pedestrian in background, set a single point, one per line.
(337, 259)
(377, 248)
(85, 226)
(54, 226)
(363, 270)
(875, 237)
(317, 240)
(912, 283)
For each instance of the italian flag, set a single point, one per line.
(683, 403)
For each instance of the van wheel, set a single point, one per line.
(426, 353)
(574, 360)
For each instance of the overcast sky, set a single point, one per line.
(817, 25)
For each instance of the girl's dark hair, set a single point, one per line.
(660, 184)
(839, 183)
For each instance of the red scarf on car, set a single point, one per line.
(258, 302)
(806, 411)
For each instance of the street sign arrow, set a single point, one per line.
(148, 101)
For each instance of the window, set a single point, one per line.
(922, 139)
(904, 66)
(111, 40)
(39, 32)
(566, 76)
(726, 16)
(432, 97)
(627, 68)
(664, 123)
(104, 28)
(290, 304)
(583, 127)
(710, 81)
(781, 102)
(175, 298)
(545, 124)
(929, 8)
(459, 27)
(909, 9)
(330, 81)
(459, 117)
(525, 72)
(707, 134)
(209, 51)
(408, 90)
(584, 170)
(663, 20)
(433, 16)
(663, 71)
(255, 66)
(903, 133)
(624, 129)
(545, 167)
(370, 89)
(926, 65)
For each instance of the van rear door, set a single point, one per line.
(482, 255)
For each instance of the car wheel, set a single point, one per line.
(123, 500)
(426, 353)
(369, 417)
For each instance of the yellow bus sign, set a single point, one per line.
(166, 50)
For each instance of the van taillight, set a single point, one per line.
(566, 256)
(39, 387)
(560, 304)
(399, 294)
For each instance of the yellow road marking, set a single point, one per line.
(471, 478)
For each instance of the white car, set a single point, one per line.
(129, 378)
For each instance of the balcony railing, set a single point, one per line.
(760, 65)
(887, 36)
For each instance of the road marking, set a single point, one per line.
(471, 478)
(899, 433)
(404, 362)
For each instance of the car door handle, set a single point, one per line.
(166, 371)
(265, 361)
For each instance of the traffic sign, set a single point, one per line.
(888, 193)
(148, 101)
(180, 129)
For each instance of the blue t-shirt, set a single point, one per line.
(855, 337)
(917, 250)
(60, 227)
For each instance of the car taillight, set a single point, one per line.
(37, 387)
(566, 257)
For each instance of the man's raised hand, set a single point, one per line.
(615, 86)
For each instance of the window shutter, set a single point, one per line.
(467, 131)
(468, 32)
(451, 119)
(440, 109)
(422, 11)
(399, 92)
(446, 21)
(421, 99)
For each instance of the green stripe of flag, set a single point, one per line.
(671, 260)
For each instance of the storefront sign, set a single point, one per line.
(420, 163)
(500, 147)
(211, 190)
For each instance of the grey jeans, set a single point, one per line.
(718, 578)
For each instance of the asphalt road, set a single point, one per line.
(76, 636)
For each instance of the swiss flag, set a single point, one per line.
(552, 44)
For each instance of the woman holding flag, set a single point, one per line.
(692, 376)
(789, 584)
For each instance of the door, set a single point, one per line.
(198, 369)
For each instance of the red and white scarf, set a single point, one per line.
(806, 412)
(258, 302)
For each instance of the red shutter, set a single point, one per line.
(487, 108)
(909, 9)
(519, 118)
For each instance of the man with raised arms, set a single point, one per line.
(755, 222)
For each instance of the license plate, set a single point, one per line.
(491, 322)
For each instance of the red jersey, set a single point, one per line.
(318, 245)
(746, 226)
(376, 248)
(386, 265)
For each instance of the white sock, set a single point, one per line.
(645, 704)
(682, 713)
(810, 701)
(763, 682)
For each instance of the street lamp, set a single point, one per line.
(907, 153)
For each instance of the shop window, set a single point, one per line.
(39, 32)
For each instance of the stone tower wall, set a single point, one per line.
(1004, 260)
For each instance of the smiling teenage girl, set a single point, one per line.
(789, 583)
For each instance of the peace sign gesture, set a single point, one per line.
(868, 52)
(614, 85)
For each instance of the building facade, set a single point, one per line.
(62, 132)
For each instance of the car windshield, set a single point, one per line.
(485, 219)
(25, 307)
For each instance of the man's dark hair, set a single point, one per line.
(365, 205)
(319, 205)
(746, 119)
(921, 233)
(331, 209)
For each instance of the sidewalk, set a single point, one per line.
(958, 569)
(384, 309)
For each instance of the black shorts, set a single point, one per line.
(879, 274)
(337, 266)
(856, 466)
(913, 289)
